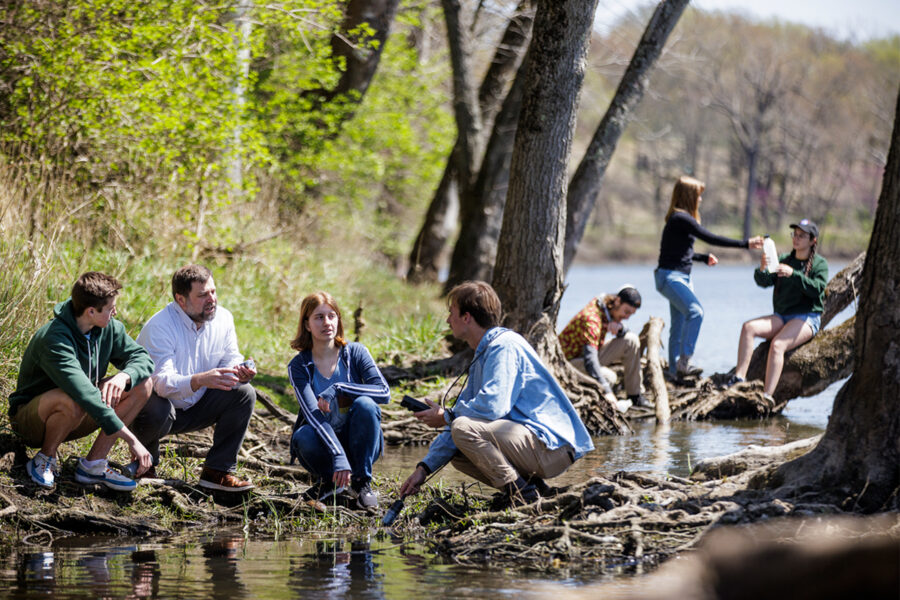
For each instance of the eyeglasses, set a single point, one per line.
(799, 235)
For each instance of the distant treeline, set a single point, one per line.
(780, 120)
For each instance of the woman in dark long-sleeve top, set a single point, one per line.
(673, 272)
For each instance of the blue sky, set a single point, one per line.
(846, 19)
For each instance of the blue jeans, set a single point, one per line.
(685, 311)
(814, 320)
(360, 436)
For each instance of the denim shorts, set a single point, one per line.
(813, 319)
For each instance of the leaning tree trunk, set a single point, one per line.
(586, 182)
(440, 221)
(356, 49)
(859, 456)
(481, 209)
(358, 54)
(528, 273)
(828, 357)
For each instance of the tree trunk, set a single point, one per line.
(465, 100)
(828, 357)
(651, 333)
(586, 182)
(440, 221)
(528, 273)
(481, 210)
(859, 456)
(358, 54)
(441, 217)
(752, 155)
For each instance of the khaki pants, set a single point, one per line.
(27, 424)
(625, 350)
(499, 452)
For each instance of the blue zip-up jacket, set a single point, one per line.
(364, 380)
(507, 380)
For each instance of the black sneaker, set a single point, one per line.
(544, 490)
(640, 400)
(734, 380)
(321, 490)
(521, 496)
(365, 497)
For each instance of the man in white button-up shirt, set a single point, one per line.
(200, 377)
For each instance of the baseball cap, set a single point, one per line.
(808, 226)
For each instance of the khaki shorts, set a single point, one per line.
(27, 424)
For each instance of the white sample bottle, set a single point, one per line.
(771, 255)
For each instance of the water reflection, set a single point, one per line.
(231, 566)
(664, 450)
(337, 569)
(109, 573)
(222, 558)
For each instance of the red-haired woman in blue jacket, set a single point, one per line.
(338, 436)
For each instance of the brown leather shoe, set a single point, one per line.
(223, 481)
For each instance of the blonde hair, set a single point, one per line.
(686, 197)
(303, 340)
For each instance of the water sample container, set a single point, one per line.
(771, 254)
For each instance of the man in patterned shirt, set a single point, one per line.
(584, 342)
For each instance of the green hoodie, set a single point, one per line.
(59, 355)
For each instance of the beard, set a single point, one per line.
(203, 316)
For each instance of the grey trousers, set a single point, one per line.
(499, 452)
(229, 411)
(626, 350)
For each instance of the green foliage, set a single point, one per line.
(171, 113)
(121, 125)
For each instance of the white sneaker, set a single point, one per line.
(42, 469)
(103, 474)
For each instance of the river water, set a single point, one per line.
(230, 565)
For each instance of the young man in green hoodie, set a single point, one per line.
(63, 393)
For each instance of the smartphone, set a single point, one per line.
(410, 403)
(248, 364)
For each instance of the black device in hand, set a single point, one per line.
(410, 403)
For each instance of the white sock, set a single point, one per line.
(93, 465)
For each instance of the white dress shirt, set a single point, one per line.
(180, 349)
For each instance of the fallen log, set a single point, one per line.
(276, 411)
(752, 457)
(827, 558)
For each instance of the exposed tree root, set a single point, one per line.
(624, 520)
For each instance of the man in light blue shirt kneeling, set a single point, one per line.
(512, 426)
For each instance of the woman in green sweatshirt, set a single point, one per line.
(799, 278)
